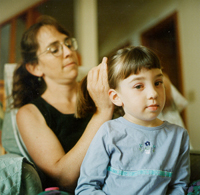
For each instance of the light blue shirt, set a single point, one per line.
(129, 159)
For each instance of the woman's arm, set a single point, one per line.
(44, 147)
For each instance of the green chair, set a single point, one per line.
(17, 173)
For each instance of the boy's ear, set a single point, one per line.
(114, 97)
(34, 70)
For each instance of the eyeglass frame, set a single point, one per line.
(73, 40)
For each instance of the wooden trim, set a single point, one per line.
(29, 19)
(0, 42)
(32, 15)
(2, 93)
(12, 52)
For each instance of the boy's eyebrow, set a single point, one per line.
(137, 78)
(142, 78)
(159, 75)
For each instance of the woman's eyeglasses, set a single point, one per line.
(56, 48)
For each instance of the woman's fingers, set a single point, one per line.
(95, 75)
(97, 85)
(103, 75)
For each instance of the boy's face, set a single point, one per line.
(142, 96)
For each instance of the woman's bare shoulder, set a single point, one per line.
(29, 111)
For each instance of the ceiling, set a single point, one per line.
(111, 13)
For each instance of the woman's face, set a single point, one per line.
(62, 69)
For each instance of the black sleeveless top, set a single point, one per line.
(66, 127)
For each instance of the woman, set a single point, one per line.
(45, 90)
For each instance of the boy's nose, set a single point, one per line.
(152, 94)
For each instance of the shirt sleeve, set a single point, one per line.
(181, 175)
(94, 167)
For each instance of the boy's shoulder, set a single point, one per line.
(175, 127)
(116, 122)
(172, 125)
(113, 125)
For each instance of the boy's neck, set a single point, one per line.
(154, 123)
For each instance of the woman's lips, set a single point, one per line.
(70, 64)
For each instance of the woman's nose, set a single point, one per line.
(66, 51)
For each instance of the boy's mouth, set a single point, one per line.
(153, 107)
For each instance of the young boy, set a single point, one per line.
(137, 154)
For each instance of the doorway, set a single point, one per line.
(164, 41)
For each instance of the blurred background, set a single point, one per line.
(170, 27)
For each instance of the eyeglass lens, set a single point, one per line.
(57, 48)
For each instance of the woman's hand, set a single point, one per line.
(97, 85)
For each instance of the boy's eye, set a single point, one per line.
(158, 83)
(138, 87)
